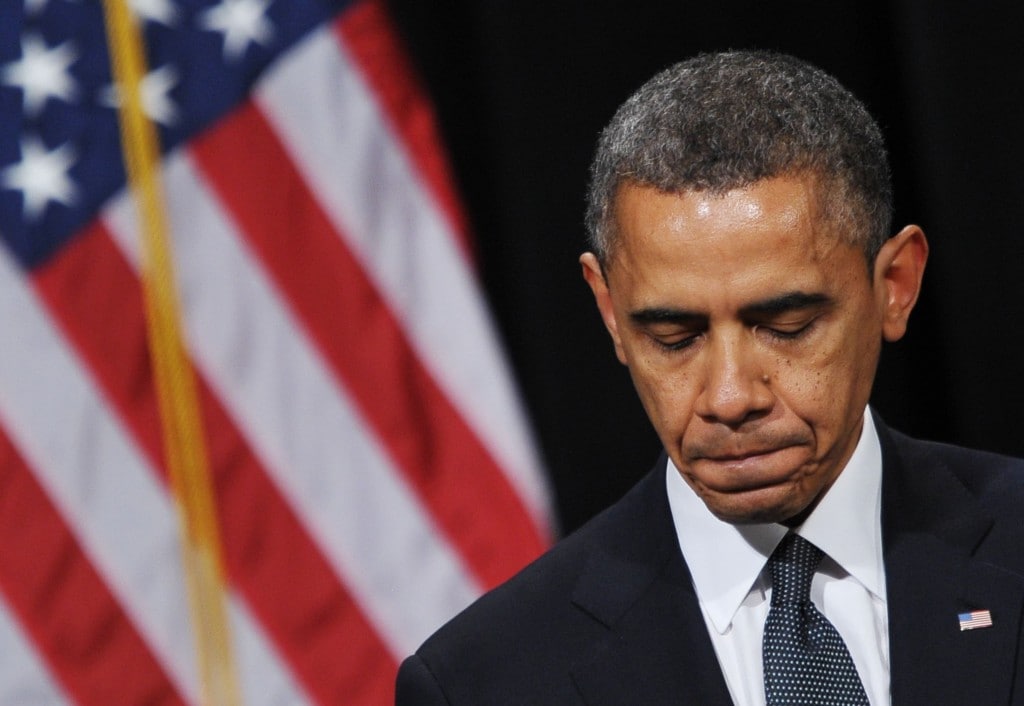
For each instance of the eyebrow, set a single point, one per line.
(773, 306)
(791, 301)
(662, 315)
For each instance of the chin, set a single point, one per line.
(784, 512)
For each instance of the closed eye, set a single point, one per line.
(788, 332)
(675, 343)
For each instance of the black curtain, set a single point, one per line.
(522, 89)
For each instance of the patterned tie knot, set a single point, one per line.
(792, 567)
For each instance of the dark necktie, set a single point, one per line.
(805, 659)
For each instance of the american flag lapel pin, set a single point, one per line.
(975, 619)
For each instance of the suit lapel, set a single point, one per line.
(931, 529)
(656, 649)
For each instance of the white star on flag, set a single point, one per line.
(162, 11)
(41, 176)
(34, 7)
(42, 72)
(156, 100)
(242, 22)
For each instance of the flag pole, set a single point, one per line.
(184, 445)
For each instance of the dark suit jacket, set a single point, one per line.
(609, 615)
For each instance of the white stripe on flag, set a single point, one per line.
(329, 121)
(264, 676)
(273, 382)
(23, 677)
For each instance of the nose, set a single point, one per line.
(736, 386)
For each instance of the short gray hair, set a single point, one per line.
(723, 121)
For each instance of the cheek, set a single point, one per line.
(667, 396)
(830, 384)
(804, 389)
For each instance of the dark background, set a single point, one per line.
(522, 90)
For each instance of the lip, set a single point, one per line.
(748, 470)
(743, 455)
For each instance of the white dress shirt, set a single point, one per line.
(728, 565)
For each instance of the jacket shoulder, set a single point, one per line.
(951, 481)
(989, 477)
(516, 643)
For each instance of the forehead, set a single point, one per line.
(750, 241)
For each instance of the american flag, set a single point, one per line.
(975, 619)
(371, 467)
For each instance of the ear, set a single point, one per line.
(898, 270)
(594, 276)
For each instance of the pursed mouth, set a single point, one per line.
(748, 470)
(739, 456)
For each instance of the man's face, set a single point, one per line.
(752, 335)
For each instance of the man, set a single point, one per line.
(789, 548)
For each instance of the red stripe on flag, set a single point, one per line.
(79, 628)
(372, 41)
(442, 459)
(315, 623)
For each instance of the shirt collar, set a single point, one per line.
(726, 560)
